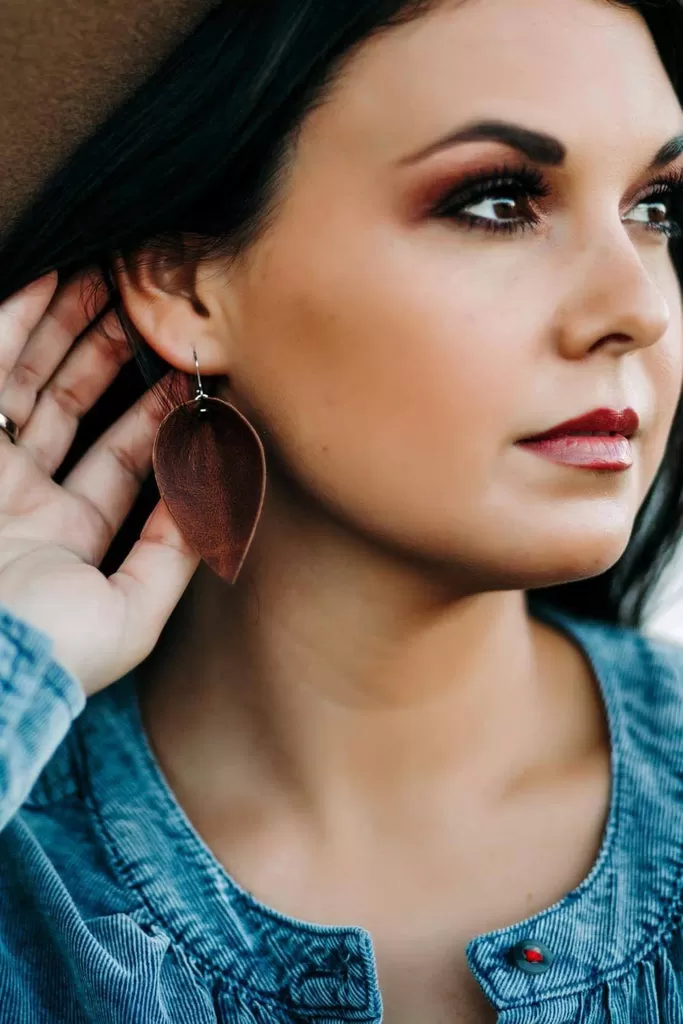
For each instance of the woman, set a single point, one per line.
(416, 762)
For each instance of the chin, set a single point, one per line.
(573, 558)
(549, 554)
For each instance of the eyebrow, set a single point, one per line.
(536, 146)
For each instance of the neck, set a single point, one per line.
(342, 681)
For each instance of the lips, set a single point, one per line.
(599, 440)
(599, 421)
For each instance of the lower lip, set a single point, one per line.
(603, 453)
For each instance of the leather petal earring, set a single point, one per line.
(210, 468)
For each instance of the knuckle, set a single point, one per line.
(128, 462)
(67, 399)
(25, 378)
(43, 457)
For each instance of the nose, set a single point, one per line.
(613, 302)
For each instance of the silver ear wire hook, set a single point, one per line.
(200, 390)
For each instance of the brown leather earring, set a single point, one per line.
(210, 467)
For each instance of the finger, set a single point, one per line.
(19, 316)
(111, 473)
(82, 378)
(72, 308)
(153, 578)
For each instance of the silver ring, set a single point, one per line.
(9, 427)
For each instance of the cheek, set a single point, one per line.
(667, 378)
(665, 372)
(386, 376)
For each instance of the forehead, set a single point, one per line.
(586, 70)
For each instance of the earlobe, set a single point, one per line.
(162, 303)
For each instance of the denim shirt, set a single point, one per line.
(114, 911)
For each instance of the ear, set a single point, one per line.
(161, 297)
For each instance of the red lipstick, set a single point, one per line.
(597, 440)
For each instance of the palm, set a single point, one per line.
(53, 537)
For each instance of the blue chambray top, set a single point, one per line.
(114, 911)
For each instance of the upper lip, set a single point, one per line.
(608, 421)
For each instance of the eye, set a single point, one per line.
(499, 200)
(497, 208)
(661, 211)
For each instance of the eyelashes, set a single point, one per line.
(527, 186)
(503, 182)
(669, 187)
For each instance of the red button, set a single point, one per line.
(532, 957)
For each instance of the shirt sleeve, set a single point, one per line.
(39, 700)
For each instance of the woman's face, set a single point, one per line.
(396, 339)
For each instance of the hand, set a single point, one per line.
(53, 537)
